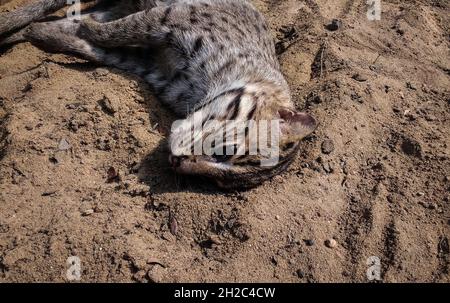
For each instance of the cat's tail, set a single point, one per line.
(24, 15)
(61, 37)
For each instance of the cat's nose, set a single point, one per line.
(175, 161)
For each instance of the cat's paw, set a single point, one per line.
(13, 38)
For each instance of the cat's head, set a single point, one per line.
(239, 142)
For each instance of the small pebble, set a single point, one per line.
(108, 104)
(391, 198)
(411, 86)
(327, 146)
(334, 25)
(63, 145)
(87, 212)
(56, 158)
(156, 274)
(215, 239)
(50, 193)
(424, 204)
(300, 274)
(432, 206)
(112, 175)
(427, 205)
(356, 97)
(173, 224)
(168, 236)
(140, 276)
(331, 243)
(328, 167)
(101, 72)
(274, 260)
(430, 118)
(98, 209)
(360, 78)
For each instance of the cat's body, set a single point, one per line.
(214, 58)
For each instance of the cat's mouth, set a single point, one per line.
(204, 166)
(225, 175)
(208, 167)
(200, 165)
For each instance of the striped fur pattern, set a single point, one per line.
(209, 58)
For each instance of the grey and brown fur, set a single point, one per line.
(214, 57)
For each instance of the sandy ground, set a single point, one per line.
(375, 177)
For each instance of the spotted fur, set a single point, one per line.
(213, 59)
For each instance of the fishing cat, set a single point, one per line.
(208, 60)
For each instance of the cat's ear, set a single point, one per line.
(295, 126)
